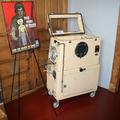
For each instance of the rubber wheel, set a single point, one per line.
(49, 92)
(56, 104)
(92, 94)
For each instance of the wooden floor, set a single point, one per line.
(104, 106)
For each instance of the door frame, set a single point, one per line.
(115, 76)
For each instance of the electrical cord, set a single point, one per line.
(88, 28)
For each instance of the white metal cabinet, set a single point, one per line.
(73, 61)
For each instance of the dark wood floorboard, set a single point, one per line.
(104, 106)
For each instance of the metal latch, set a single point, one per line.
(54, 74)
(82, 69)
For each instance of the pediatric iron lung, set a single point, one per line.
(73, 61)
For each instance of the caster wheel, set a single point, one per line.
(49, 92)
(56, 104)
(92, 94)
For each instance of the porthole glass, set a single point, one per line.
(81, 49)
(53, 53)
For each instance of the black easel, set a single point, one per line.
(13, 78)
(44, 82)
(19, 89)
(19, 83)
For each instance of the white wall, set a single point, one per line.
(101, 17)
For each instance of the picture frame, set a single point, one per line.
(21, 26)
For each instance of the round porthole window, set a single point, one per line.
(53, 53)
(81, 49)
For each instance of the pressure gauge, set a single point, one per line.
(53, 53)
(81, 49)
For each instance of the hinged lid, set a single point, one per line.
(65, 24)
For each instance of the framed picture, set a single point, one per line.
(21, 26)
